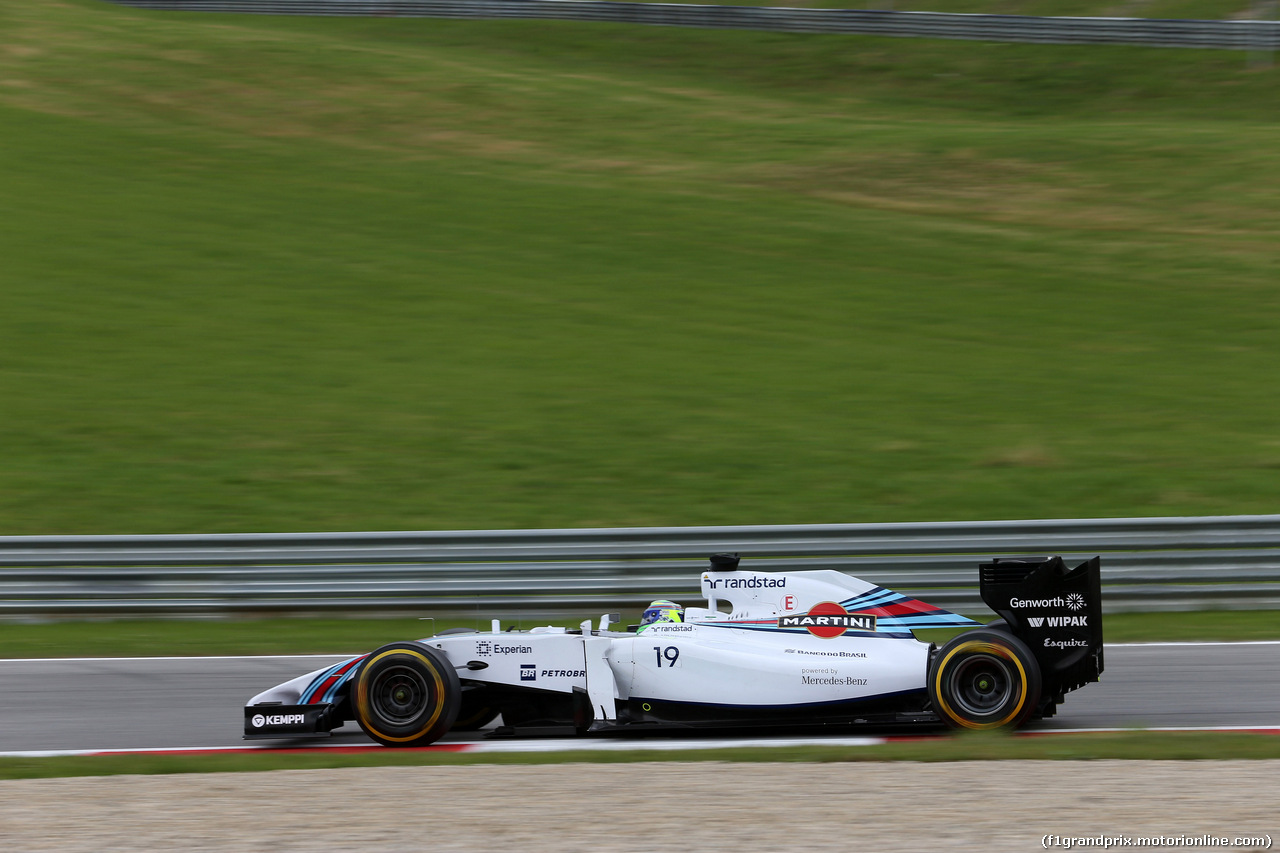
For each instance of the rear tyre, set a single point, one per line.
(984, 679)
(406, 694)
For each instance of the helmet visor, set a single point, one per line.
(653, 614)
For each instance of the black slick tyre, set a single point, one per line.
(984, 679)
(406, 694)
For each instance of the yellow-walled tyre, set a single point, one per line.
(406, 694)
(984, 679)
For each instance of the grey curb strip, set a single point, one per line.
(593, 745)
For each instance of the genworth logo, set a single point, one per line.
(1075, 601)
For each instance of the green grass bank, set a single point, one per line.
(275, 274)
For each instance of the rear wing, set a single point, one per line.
(1055, 610)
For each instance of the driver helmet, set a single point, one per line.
(662, 611)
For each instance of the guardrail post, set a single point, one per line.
(1261, 55)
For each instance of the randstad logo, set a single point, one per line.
(750, 582)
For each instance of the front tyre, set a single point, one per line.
(406, 694)
(984, 679)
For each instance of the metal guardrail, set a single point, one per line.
(1148, 564)
(1228, 35)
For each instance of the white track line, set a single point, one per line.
(612, 745)
(1194, 643)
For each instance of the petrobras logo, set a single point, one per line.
(564, 673)
(1058, 621)
(829, 620)
(753, 582)
(260, 720)
(1064, 644)
(1073, 601)
(486, 648)
(528, 672)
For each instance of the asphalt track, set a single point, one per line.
(196, 703)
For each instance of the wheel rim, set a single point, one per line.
(398, 695)
(983, 685)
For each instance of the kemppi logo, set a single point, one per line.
(260, 720)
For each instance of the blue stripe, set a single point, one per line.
(927, 620)
(332, 692)
(305, 698)
(873, 598)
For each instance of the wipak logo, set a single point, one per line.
(1035, 621)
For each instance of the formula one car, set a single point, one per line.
(795, 649)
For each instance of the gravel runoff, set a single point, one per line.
(667, 806)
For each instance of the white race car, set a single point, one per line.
(794, 649)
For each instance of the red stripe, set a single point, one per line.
(908, 607)
(318, 696)
(340, 750)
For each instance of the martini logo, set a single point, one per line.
(829, 620)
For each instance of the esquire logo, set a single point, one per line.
(828, 620)
(484, 647)
(1064, 644)
(260, 720)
